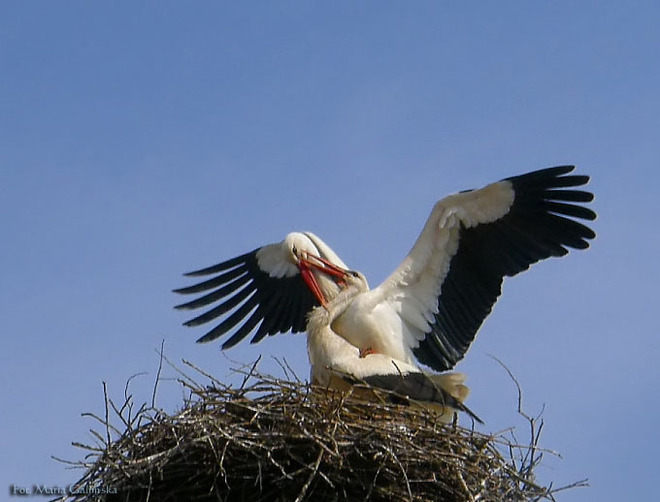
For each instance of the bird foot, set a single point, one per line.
(366, 352)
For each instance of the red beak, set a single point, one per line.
(305, 266)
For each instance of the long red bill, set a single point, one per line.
(322, 265)
(308, 276)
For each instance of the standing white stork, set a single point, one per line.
(431, 307)
(337, 364)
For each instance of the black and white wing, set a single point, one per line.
(450, 280)
(262, 290)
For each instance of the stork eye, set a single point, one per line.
(354, 273)
(294, 250)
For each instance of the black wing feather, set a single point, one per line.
(216, 295)
(538, 225)
(418, 387)
(214, 282)
(276, 305)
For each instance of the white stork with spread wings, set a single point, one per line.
(337, 364)
(431, 307)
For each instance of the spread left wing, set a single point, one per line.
(270, 291)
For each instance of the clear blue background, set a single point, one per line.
(142, 139)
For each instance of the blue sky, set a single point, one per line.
(139, 140)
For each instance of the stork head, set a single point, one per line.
(320, 274)
(296, 244)
(355, 280)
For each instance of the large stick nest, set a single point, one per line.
(280, 440)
